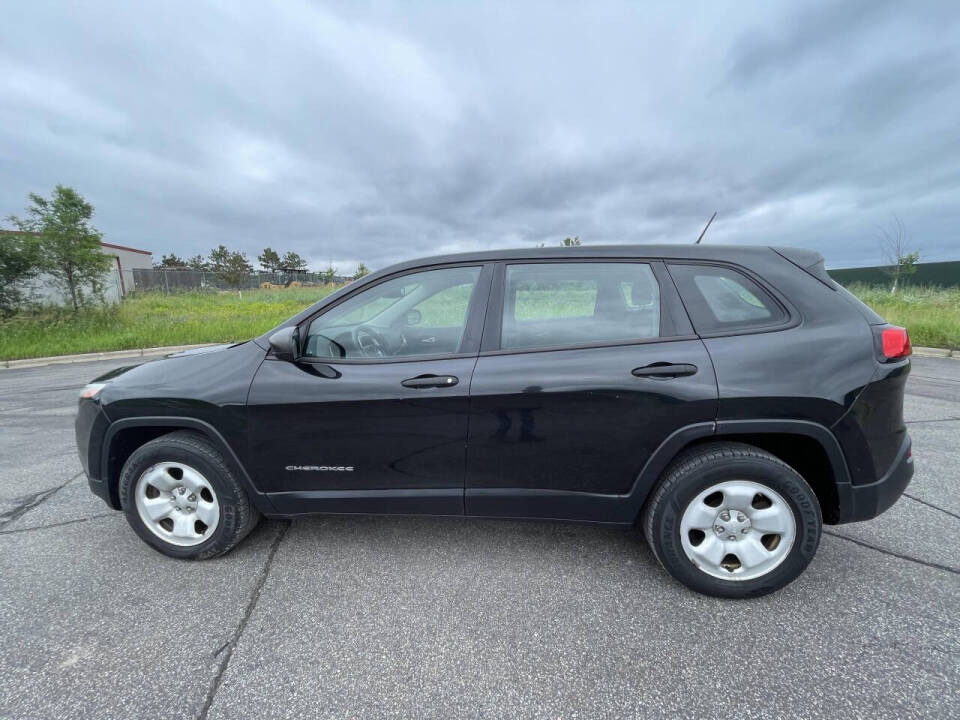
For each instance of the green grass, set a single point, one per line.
(152, 320)
(932, 315)
(565, 300)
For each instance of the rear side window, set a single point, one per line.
(556, 304)
(720, 299)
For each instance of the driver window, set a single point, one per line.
(423, 313)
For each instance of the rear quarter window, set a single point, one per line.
(721, 299)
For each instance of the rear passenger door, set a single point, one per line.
(585, 368)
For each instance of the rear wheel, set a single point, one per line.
(181, 497)
(731, 520)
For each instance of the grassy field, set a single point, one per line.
(153, 320)
(932, 315)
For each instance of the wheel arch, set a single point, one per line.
(807, 447)
(124, 436)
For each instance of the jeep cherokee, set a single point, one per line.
(727, 400)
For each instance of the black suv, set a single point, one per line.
(727, 400)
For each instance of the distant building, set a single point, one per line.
(117, 281)
(127, 260)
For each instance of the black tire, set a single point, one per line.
(237, 517)
(705, 466)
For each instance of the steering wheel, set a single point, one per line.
(371, 342)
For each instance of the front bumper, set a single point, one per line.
(91, 426)
(863, 502)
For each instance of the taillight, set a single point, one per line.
(893, 342)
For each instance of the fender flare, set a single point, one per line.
(665, 453)
(174, 422)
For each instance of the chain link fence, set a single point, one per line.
(184, 280)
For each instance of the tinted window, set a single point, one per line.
(719, 299)
(550, 304)
(422, 313)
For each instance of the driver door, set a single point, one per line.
(374, 417)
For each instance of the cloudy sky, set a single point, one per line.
(383, 131)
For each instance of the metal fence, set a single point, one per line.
(945, 274)
(181, 280)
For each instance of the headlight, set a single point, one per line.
(90, 391)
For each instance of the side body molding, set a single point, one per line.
(506, 502)
(670, 447)
(664, 454)
(260, 500)
(624, 509)
(822, 435)
(818, 432)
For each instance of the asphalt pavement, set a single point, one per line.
(417, 617)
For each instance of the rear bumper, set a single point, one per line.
(863, 502)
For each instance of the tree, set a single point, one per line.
(18, 262)
(198, 263)
(570, 242)
(68, 246)
(219, 258)
(171, 262)
(329, 275)
(896, 250)
(269, 260)
(231, 264)
(292, 262)
(361, 271)
(237, 270)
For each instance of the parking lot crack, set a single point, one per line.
(29, 502)
(931, 505)
(57, 524)
(225, 652)
(221, 648)
(899, 556)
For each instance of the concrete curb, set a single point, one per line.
(937, 352)
(93, 357)
(149, 352)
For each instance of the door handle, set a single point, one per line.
(430, 381)
(664, 370)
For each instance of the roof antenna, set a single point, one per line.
(705, 228)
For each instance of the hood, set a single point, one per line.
(203, 350)
(219, 374)
(164, 359)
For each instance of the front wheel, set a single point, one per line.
(732, 520)
(181, 497)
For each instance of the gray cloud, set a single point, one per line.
(811, 33)
(374, 132)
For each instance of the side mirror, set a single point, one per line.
(413, 317)
(285, 344)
